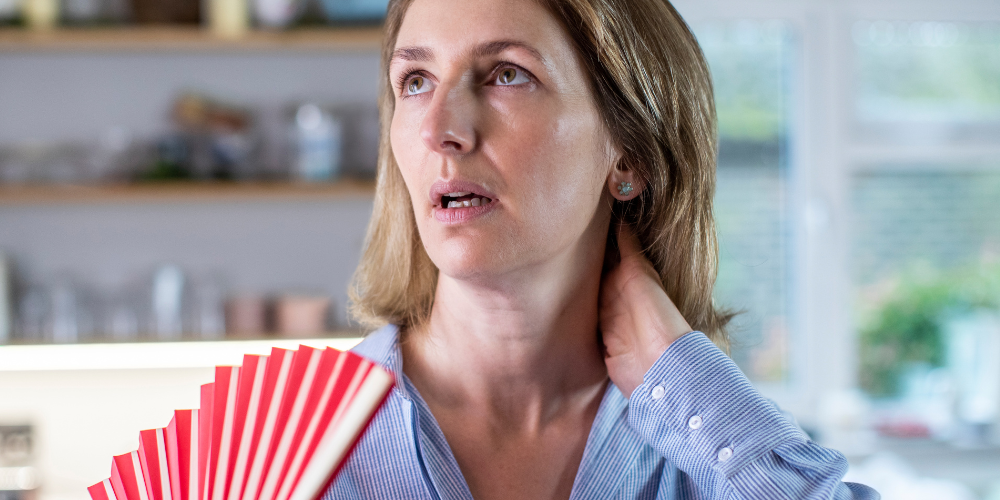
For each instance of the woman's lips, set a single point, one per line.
(443, 188)
(458, 215)
(457, 201)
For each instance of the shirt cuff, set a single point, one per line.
(699, 411)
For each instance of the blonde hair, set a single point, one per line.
(653, 90)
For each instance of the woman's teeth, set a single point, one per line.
(475, 202)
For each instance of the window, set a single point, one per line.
(925, 73)
(750, 62)
(925, 232)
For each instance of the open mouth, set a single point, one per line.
(462, 199)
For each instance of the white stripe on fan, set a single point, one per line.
(253, 479)
(300, 455)
(288, 433)
(222, 467)
(243, 454)
(345, 403)
(161, 455)
(334, 445)
(109, 490)
(140, 481)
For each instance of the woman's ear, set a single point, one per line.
(624, 184)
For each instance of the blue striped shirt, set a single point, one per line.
(695, 429)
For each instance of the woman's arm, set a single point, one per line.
(699, 411)
(692, 404)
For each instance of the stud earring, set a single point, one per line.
(625, 188)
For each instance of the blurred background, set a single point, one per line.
(183, 181)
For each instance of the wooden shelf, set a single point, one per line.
(193, 38)
(183, 192)
(153, 355)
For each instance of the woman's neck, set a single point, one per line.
(517, 355)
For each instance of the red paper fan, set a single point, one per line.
(276, 428)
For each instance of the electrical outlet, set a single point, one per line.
(16, 445)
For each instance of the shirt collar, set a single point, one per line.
(382, 347)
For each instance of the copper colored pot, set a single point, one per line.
(297, 316)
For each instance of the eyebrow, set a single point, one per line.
(413, 54)
(420, 54)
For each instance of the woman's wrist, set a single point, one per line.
(659, 339)
(664, 324)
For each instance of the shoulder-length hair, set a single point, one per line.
(653, 90)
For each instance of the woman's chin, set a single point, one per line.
(474, 263)
(468, 268)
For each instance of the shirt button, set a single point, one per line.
(725, 454)
(694, 422)
(658, 392)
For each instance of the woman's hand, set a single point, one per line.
(637, 318)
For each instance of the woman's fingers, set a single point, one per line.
(638, 320)
(628, 243)
(632, 259)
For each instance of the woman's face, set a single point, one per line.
(497, 137)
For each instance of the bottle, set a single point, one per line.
(276, 13)
(168, 297)
(228, 18)
(318, 142)
(209, 320)
(41, 14)
(65, 313)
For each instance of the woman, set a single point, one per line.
(543, 251)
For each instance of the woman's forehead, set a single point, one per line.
(444, 28)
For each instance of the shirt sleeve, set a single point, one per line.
(698, 410)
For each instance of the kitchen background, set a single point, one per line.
(184, 181)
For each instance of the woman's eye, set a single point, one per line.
(511, 76)
(417, 85)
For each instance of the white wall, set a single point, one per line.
(81, 419)
(52, 96)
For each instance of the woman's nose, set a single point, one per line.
(449, 125)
